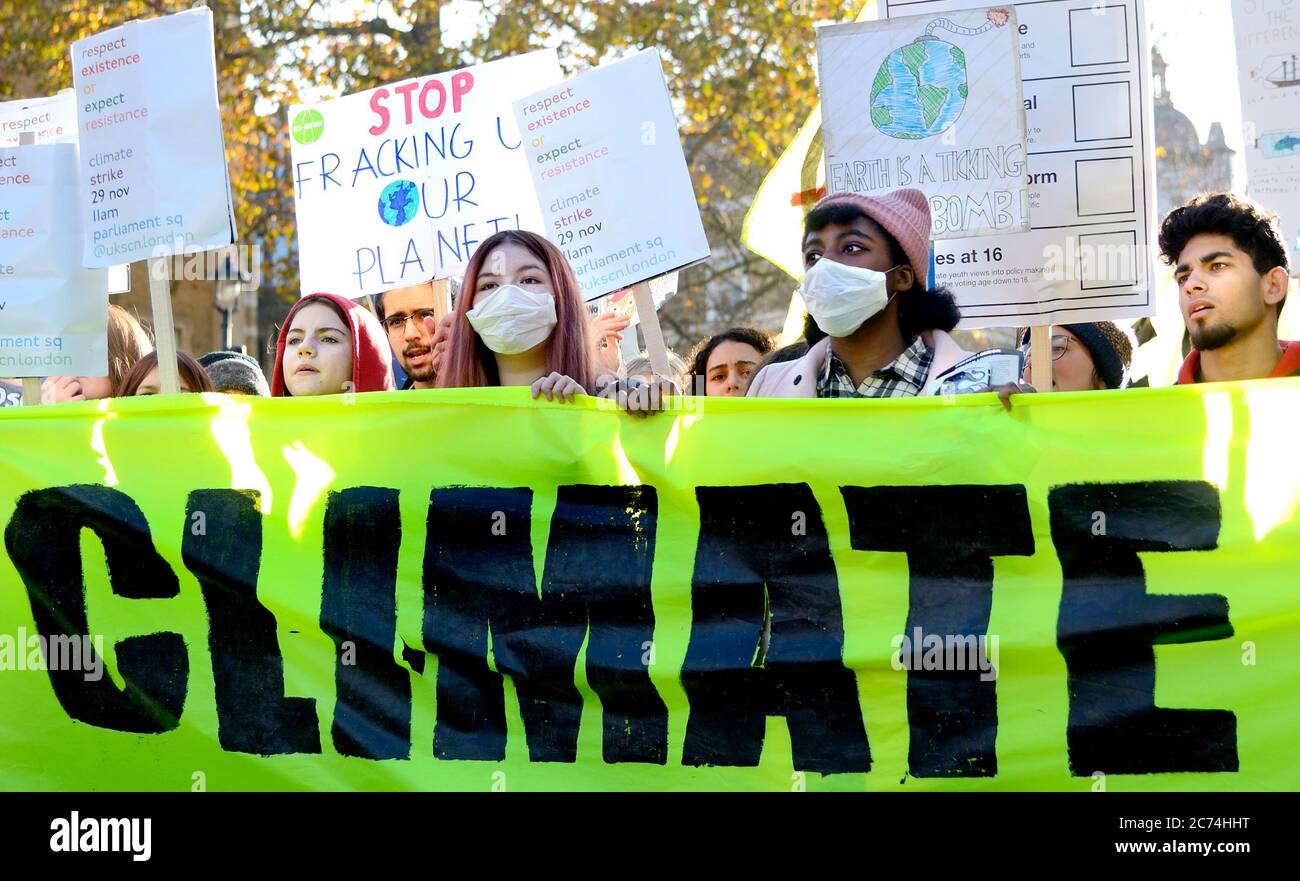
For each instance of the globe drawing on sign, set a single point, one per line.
(921, 89)
(398, 202)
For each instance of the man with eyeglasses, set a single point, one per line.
(411, 321)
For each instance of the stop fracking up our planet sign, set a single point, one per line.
(398, 184)
(932, 102)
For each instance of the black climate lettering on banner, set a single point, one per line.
(950, 535)
(1108, 624)
(253, 715)
(363, 532)
(756, 542)
(479, 579)
(43, 539)
(478, 565)
(598, 565)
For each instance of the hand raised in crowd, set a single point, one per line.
(557, 386)
(440, 332)
(57, 389)
(607, 332)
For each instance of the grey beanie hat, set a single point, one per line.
(236, 372)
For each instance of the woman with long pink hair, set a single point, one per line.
(519, 320)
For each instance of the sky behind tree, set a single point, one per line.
(1196, 39)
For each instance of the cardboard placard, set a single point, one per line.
(51, 120)
(610, 174)
(53, 312)
(153, 161)
(1088, 110)
(1268, 65)
(398, 184)
(931, 102)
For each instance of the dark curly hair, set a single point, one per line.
(922, 308)
(699, 356)
(1250, 227)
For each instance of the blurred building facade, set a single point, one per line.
(199, 322)
(1184, 165)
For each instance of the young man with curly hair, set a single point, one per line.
(1231, 267)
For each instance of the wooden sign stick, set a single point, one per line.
(441, 296)
(164, 326)
(654, 334)
(1040, 356)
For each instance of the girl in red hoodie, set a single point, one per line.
(329, 345)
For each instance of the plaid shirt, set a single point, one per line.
(901, 378)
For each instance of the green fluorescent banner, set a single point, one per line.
(470, 590)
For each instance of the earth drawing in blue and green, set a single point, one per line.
(919, 90)
(398, 202)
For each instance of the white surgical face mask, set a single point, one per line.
(841, 298)
(512, 320)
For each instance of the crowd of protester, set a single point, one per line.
(873, 329)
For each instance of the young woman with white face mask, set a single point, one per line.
(520, 320)
(866, 260)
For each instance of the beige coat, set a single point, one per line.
(798, 378)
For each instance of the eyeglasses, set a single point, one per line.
(397, 323)
(1060, 345)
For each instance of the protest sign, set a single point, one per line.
(931, 102)
(11, 394)
(153, 159)
(611, 179)
(1268, 67)
(53, 312)
(1088, 106)
(622, 303)
(1068, 597)
(774, 223)
(398, 184)
(51, 120)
